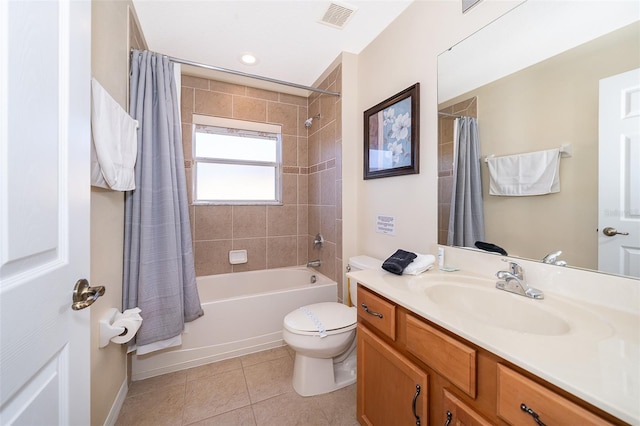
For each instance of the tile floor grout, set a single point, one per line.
(252, 390)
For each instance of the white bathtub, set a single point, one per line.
(243, 313)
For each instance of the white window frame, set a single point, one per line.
(241, 125)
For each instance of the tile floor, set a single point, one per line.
(251, 390)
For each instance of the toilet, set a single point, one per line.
(323, 335)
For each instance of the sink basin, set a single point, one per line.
(495, 308)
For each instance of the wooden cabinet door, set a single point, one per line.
(391, 390)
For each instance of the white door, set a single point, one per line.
(619, 175)
(45, 72)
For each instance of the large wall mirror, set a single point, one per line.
(532, 79)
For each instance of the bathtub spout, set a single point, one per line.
(313, 263)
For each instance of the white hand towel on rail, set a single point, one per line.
(115, 142)
(535, 173)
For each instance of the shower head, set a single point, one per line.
(309, 121)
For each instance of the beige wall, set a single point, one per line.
(110, 65)
(546, 105)
(406, 53)
(351, 161)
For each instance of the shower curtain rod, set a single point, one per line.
(446, 114)
(244, 74)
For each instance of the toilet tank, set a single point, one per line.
(359, 263)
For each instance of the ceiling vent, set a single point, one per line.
(338, 14)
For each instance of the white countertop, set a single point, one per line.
(595, 357)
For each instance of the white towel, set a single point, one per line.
(422, 262)
(535, 173)
(115, 142)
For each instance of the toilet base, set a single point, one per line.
(315, 376)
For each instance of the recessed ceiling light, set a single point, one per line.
(248, 59)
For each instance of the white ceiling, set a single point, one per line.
(286, 36)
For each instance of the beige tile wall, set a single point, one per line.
(325, 177)
(468, 108)
(274, 236)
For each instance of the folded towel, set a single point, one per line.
(422, 262)
(115, 142)
(535, 173)
(398, 261)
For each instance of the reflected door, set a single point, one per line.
(619, 174)
(44, 211)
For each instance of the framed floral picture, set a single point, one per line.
(391, 135)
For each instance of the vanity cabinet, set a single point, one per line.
(391, 389)
(459, 382)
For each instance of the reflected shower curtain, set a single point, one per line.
(159, 273)
(466, 218)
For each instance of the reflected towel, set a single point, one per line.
(398, 261)
(535, 173)
(115, 142)
(422, 262)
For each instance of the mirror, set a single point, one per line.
(532, 78)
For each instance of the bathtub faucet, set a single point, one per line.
(315, 263)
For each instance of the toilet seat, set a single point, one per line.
(321, 319)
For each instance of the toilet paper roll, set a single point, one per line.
(131, 313)
(131, 327)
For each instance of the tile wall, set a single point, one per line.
(325, 177)
(274, 236)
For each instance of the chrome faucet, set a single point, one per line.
(513, 281)
(315, 263)
(552, 259)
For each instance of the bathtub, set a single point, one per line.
(243, 313)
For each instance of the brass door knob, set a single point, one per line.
(84, 296)
(610, 232)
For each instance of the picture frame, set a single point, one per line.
(392, 135)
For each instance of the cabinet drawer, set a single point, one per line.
(551, 408)
(457, 412)
(449, 357)
(377, 312)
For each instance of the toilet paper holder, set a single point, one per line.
(108, 331)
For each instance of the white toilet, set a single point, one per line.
(324, 338)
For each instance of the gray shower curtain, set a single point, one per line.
(466, 218)
(159, 273)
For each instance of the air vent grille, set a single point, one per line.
(338, 14)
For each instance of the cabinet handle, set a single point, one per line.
(449, 415)
(366, 309)
(413, 404)
(532, 413)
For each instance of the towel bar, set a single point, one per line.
(565, 152)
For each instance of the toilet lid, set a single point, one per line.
(326, 315)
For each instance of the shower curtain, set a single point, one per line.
(466, 218)
(159, 273)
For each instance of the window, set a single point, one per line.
(236, 162)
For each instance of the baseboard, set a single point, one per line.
(117, 404)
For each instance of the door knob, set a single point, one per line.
(84, 296)
(610, 232)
